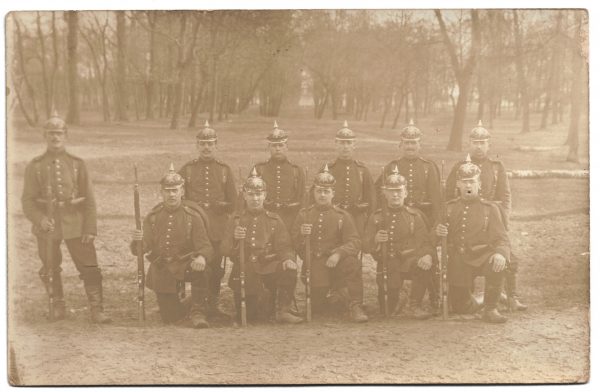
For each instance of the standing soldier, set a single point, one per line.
(175, 235)
(422, 185)
(74, 218)
(209, 182)
(409, 251)
(494, 188)
(269, 266)
(334, 245)
(354, 188)
(478, 245)
(285, 180)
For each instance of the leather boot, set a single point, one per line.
(198, 317)
(357, 314)
(284, 308)
(416, 312)
(94, 294)
(214, 311)
(60, 312)
(493, 316)
(513, 302)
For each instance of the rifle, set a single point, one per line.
(49, 247)
(139, 249)
(242, 245)
(307, 257)
(444, 256)
(384, 254)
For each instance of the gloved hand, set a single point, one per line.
(381, 236)
(333, 260)
(239, 233)
(498, 262)
(289, 265)
(198, 264)
(425, 262)
(137, 235)
(47, 224)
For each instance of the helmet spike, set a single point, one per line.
(326, 168)
(480, 124)
(206, 124)
(254, 173)
(345, 123)
(395, 171)
(468, 158)
(171, 168)
(411, 122)
(275, 124)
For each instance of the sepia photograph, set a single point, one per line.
(227, 197)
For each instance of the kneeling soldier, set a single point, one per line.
(409, 252)
(334, 247)
(269, 266)
(175, 235)
(478, 245)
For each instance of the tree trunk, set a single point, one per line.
(23, 70)
(576, 87)
(72, 76)
(151, 77)
(47, 103)
(522, 80)
(55, 62)
(121, 87)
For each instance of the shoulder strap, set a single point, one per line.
(486, 216)
(495, 169)
(75, 178)
(411, 220)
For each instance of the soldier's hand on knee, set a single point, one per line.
(498, 262)
(239, 233)
(47, 224)
(441, 230)
(333, 260)
(87, 238)
(425, 262)
(306, 229)
(198, 264)
(289, 265)
(381, 236)
(137, 235)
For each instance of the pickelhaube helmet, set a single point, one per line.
(171, 180)
(55, 122)
(468, 170)
(324, 179)
(479, 133)
(277, 135)
(394, 181)
(207, 134)
(411, 132)
(345, 133)
(254, 183)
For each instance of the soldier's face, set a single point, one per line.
(345, 148)
(323, 196)
(410, 148)
(55, 139)
(479, 148)
(172, 196)
(469, 188)
(278, 150)
(395, 197)
(255, 200)
(206, 149)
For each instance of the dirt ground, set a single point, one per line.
(549, 233)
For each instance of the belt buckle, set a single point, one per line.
(461, 250)
(253, 258)
(277, 205)
(205, 205)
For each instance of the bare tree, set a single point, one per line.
(577, 64)
(121, 71)
(72, 75)
(463, 74)
(522, 80)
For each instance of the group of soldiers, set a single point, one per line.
(399, 219)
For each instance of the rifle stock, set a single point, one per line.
(307, 257)
(49, 253)
(444, 255)
(139, 249)
(384, 253)
(242, 245)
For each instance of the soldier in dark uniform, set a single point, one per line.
(478, 245)
(175, 235)
(494, 188)
(210, 183)
(354, 188)
(285, 180)
(270, 267)
(422, 185)
(408, 246)
(74, 219)
(334, 248)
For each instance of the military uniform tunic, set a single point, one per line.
(285, 188)
(422, 184)
(169, 234)
(475, 233)
(354, 190)
(494, 184)
(210, 183)
(266, 246)
(74, 210)
(408, 241)
(333, 231)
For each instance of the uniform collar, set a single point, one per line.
(321, 208)
(470, 201)
(255, 212)
(56, 154)
(278, 161)
(479, 161)
(202, 160)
